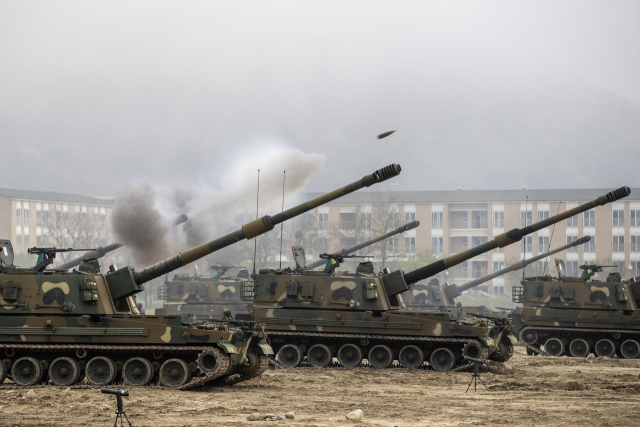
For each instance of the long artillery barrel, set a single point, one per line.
(97, 253)
(521, 264)
(397, 282)
(408, 226)
(259, 226)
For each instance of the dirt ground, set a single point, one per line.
(534, 391)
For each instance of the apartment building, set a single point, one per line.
(38, 218)
(453, 221)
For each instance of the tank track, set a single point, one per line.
(263, 365)
(576, 330)
(199, 381)
(460, 367)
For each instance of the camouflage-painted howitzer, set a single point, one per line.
(433, 296)
(310, 313)
(346, 251)
(62, 326)
(203, 297)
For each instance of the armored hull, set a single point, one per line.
(352, 317)
(574, 317)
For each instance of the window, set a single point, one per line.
(458, 244)
(620, 268)
(618, 218)
(436, 219)
(461, 270)
(634, 243)
(572, 221)
(498, 251)
(323, 221)
(40, 241)
(543, 244)
(527, 244)
(479, 219)
(479, 269)
(366, 221)
(39, 217)
(498, 290)
(618, 244)
(498, 265)
(409, 246)
(571, 239)
(45, 218)
(347, 220)
(572, 269)
(542, 265)
(526, 218)
(394, 219)
(590, 218)
(394, 245)
(635, 268)
(634, 218)
(478, 240)
(498, 219)
(26, 215)
(437, 245)
(19, 243)
(409, 216)
(26, 242)
(19, 214)
(542, 215)
(590, 246)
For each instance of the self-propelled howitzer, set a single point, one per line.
(64, 326)
(434, 297)
(351, 316)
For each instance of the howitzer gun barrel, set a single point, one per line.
(510, 237)
(408, 226)
(259, 226)
(98, 253)
(521, 264)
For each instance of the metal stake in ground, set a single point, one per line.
(120, 413)
(476, 373)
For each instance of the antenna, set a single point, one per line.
(255, 240)
(550, 239)
(284, 177)
(524, 252)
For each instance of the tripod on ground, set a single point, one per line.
(476, 373)
(120, 413)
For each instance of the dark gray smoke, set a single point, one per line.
(137, 223)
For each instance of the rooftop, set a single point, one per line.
(53, 196)
(473, 196)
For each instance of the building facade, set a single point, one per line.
(44, 219)
(454, 221)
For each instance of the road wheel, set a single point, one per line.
(474, 350)
(64, 371)
(100, 371)
(605, 348)
(26, 371)
(630, 349)
(554, 347)
(174, 373)
(319, 356)
(380, 356)
(442, 359)
(530, 336)
(213, 360)
(504, 353)
(289, 355)
(350, 355)
(137, 371)
(579, 348)
(411, 357)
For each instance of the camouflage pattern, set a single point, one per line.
(202, 297)
(575, 317)
(433, 296)
(58, 326)
(311, 312)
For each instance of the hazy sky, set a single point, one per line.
(484, 95)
